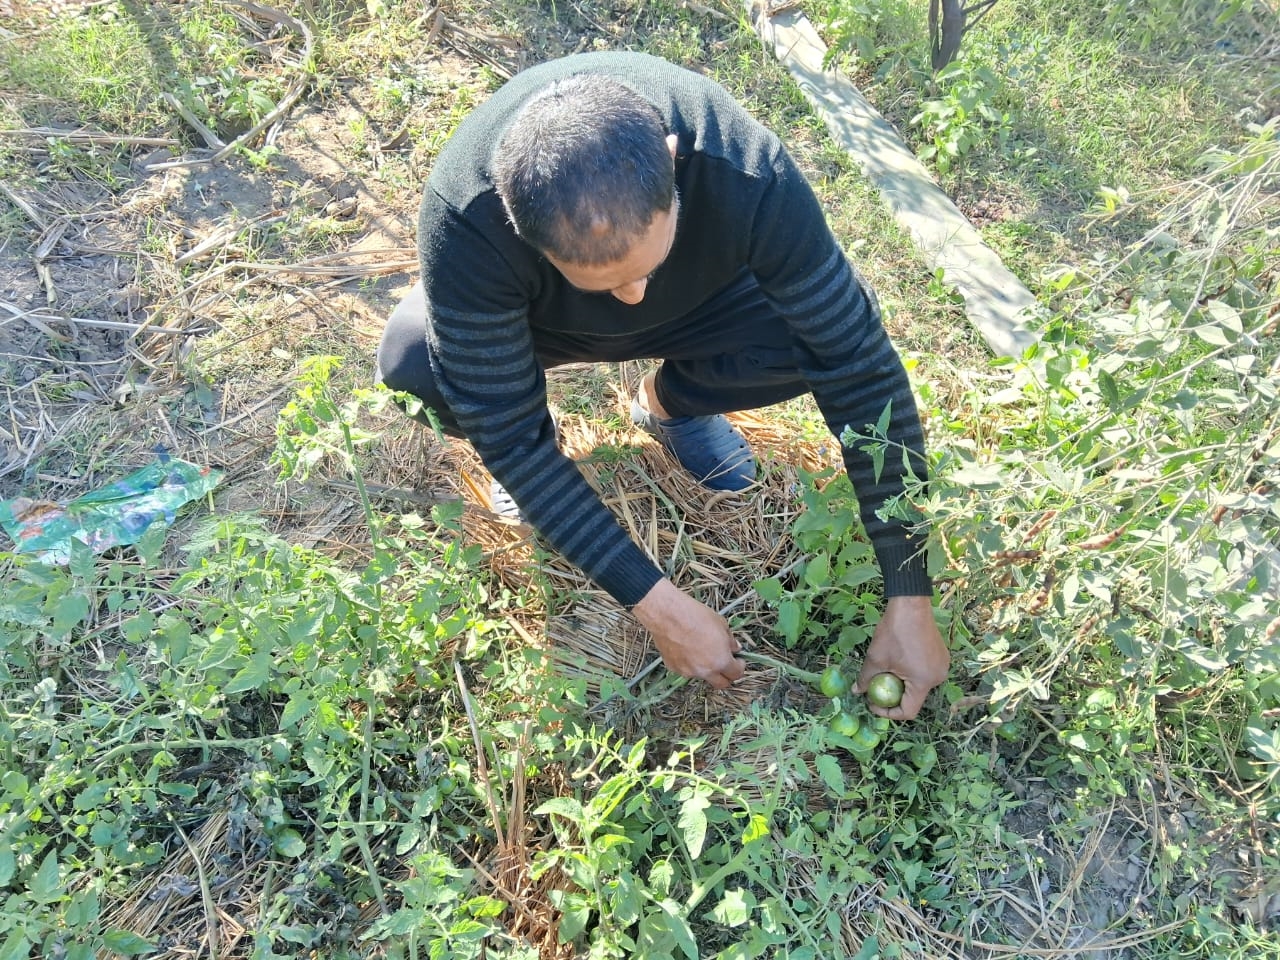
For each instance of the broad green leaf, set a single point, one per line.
(757, 829)
(769, 589)
(869, 951)
(575, 914)
(1225, 316)
(978, 477)
(17, 947)
(1212, 334)
(679, 928)
(886, 416)
(830, 772)
(8, 865)
(295, 710)
(1201, 656)
(302, 934)
(253, 676)
(69, 613)
(289, 843)
(817, 572)
(305, 626)
(14, 784)
(662, 878)
(789, 617)
(1109, 389)
(126, 942)
(565, 807)
(611, 793)
(858, 574)
(46, 885)
(1264, 742)
(636, 755)
(627, 899)
(409, 837)
(401, 923)
(1086, 741)
(693, 822)
(484, 906)
(94, 795)
(138, 628)
(734, 909)
(469, 929)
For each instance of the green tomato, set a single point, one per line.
(446, 785)
(845, 724)
(865, 739)
(885, 690)
(833, 682)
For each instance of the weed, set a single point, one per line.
(965, 116)
(866, 37)
(100, 68)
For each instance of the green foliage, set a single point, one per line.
(220, 75)
(292, 671)
(1107, 540)
(112, 64)
(656, 859)
(99, 63)
(869, 34)
(835, 604)
(1104, 529)
(966, 116)
(1172, 23)
(1136, 548)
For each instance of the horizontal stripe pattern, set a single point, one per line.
(756, 211)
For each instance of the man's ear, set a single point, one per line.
(672, 141)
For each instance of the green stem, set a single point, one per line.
(371, 660)
(362, 838)
(185, 743)
(807, 676)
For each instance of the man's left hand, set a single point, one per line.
(906, 643)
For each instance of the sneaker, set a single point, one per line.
(503, 504)
(710, 448)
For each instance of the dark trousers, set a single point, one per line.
(733, 352)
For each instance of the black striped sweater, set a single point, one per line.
(744, 204)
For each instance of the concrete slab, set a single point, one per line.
(1000, 308)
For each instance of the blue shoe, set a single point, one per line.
(710, 448)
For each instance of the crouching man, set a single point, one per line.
(612, 206)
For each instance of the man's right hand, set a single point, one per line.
(693, 639)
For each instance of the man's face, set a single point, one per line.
(627, 278)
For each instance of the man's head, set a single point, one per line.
(584, 169)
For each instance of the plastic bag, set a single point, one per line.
(111, 516)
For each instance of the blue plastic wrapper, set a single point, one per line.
(111, 516)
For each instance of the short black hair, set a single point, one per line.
(583, 168)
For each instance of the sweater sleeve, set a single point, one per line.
(485, 367)
(849, 362)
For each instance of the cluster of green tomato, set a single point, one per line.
(884, 690)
